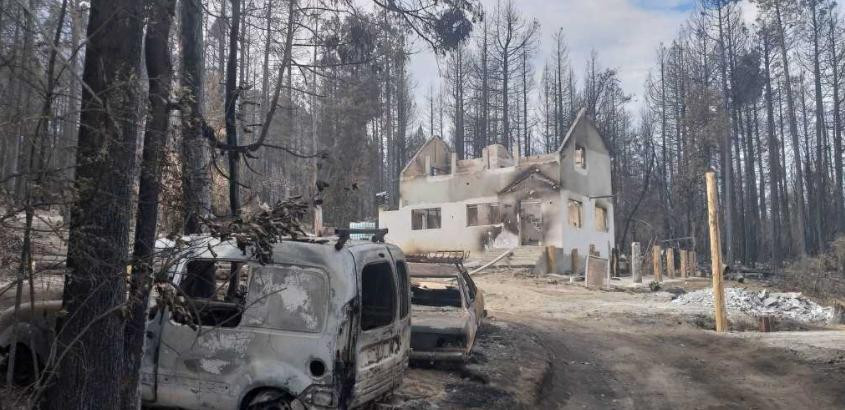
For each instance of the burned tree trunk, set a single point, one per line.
(793, 131)
(90, 361)
(195, 149)
(159, 70)
(230, 107)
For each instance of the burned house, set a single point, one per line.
(561, 199)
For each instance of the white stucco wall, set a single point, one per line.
(452, 235)
(581, 238)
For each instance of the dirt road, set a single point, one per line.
(634, 350)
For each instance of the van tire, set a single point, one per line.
(268, 399)
(24, 367)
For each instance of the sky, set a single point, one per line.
(625, 34)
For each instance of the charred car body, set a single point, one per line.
(324, 324)
(447, 308)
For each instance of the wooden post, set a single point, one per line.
(318, 220)
(574, 261)
(609, 263)
(655, 259)
(670, 262)
(551, 253)
(684, 267)
(694, 264)
(716, 252)
(636, 263)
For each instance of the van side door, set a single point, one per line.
(203, 345)
(381, 352)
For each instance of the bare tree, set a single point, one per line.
(91, 336)
(513, 34)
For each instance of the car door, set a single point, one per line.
(203, 345)
(477, 296)
(469, 305)
(383, 341)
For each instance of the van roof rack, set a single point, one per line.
(343, 235)
(438, 257)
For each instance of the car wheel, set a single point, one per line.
(274, 400)
(24, 368)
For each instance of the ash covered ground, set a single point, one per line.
(631, 348)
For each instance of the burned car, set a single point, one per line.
(324, 324)
(446, 308)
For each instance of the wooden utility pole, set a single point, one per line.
(636, 263)
(655, 260)
(716, 252)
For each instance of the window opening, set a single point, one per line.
(404, 292)
(601, 219)
(288, 297)
(215, 293)
(575, 213)
(580, 157)
(425, 219)
(378, 296)
(438, 292)
(471, 288)
(483, 214)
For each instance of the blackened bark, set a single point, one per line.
(159, 70)
(458, 95)
(725, 146)
(525, 137)
(72, 118)
(230, 107)
(195, 148)
(90, 366)
(485, 95)
(837, 127)
(793, 131)
(821, 170)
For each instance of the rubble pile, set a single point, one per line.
(791, 305)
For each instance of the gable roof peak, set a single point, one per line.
(582, 117)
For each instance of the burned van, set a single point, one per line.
(323, 324)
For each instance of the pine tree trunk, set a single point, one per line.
(793, 131)
(821, 169)
(725, 148)
(159, 70)
(195, 147)
(90, 364)
(837, 129)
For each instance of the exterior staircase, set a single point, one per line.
(522, 257)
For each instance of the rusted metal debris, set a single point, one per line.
(450, 257)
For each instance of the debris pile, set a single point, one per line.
(791, 305)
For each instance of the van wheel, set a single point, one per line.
(24, 367)
(272, 400)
